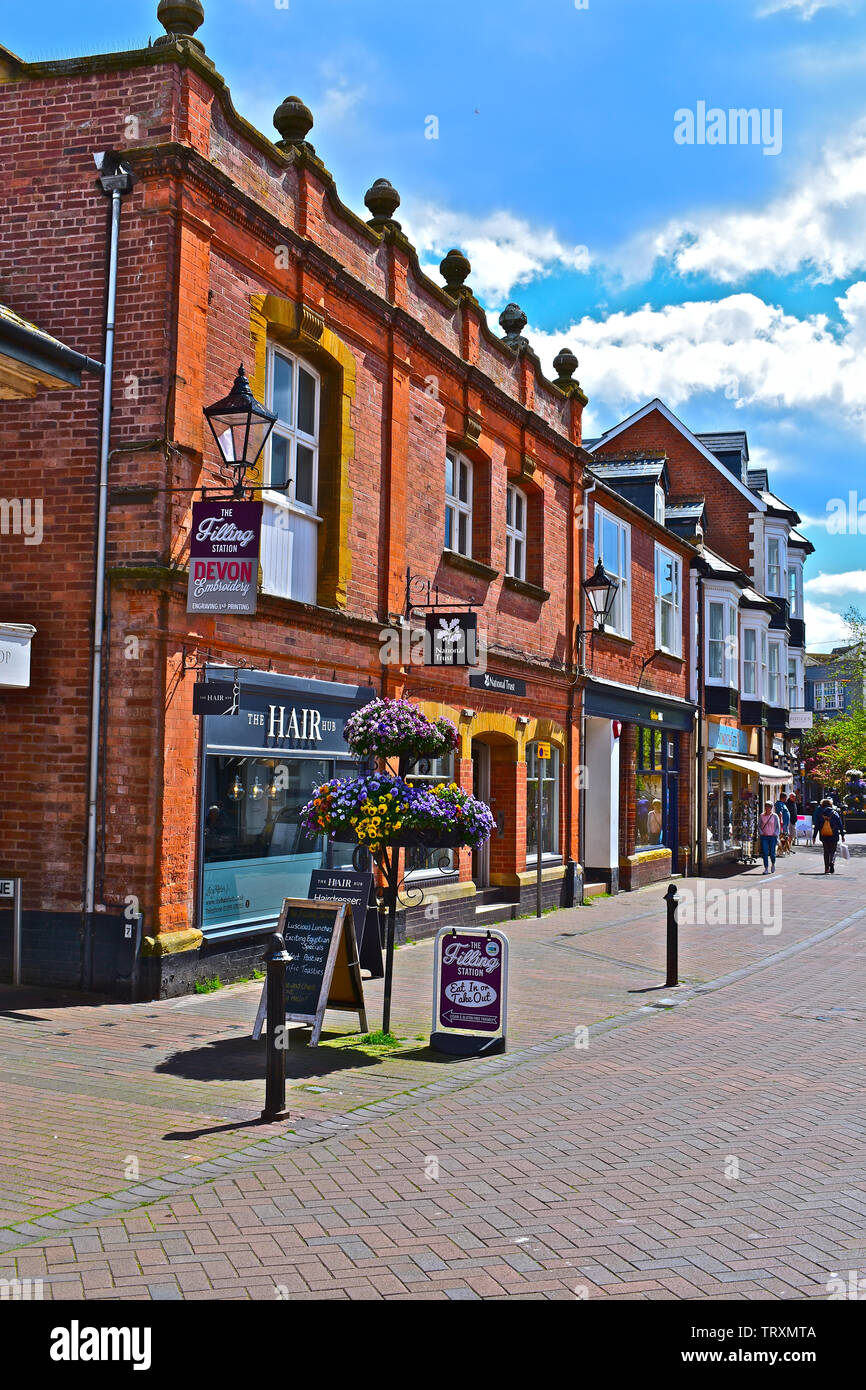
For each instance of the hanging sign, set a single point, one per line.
(224, 557)
(356, 889)
(470, 991)
(324, 972)
(214, 697)
(452, 639)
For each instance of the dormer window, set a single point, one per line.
(660, 504)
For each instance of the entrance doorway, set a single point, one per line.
(481, 790)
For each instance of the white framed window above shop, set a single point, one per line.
(774, 674)
(722, 645)
(764, 669)
(776, 568)
(548, 770)
(613, 549)
(515, 532)
(290, 522)
(659, 504)
(668, 601)
(795, 590)
(458, 503)
(292, 463)
(750, 663)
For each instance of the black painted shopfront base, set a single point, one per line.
(466, 1045)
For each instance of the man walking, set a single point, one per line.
(828, 826)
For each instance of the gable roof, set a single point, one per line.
(755, 502)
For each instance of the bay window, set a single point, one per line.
(775, 674)
(775, 567)
(750, 663)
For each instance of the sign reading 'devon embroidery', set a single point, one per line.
(224, 557)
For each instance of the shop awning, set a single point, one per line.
(763, 771)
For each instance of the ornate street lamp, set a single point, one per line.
(601, 590)
(240, 427)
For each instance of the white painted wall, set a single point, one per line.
(601, 806)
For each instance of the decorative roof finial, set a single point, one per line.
(513, 321)
(565, 364)
(383, 201)
(454, 269)
(294, 121)
(180, 19)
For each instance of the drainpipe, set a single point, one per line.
(581, 794)
(115, 179)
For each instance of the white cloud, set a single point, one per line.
(824, 627)
(819, 225)
(833, 585)
(505, 251)
(754, 352)
(806, 9)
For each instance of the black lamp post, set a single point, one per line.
(601, 589)
(240, 427)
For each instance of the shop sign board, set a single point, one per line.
(452, 639)
(800, 719)
(470, 991)
(727, 738)
(224, 557)
(356, 890)
(15, 655)
(323, 972)
(501, 685)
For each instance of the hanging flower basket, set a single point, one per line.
(399, 729)
(379, 810)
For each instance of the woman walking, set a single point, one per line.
(828, 824)
(769, 828)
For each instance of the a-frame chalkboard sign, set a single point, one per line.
(324, 972)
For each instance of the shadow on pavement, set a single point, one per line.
(242, 1059)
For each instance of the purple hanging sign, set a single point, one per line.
(224, 557)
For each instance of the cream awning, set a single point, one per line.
(763, 771)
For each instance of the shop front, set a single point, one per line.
(636, 812)
(736, 785)
(260, 766)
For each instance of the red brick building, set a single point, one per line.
(417, 457)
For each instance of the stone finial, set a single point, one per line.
(180, 19)
(454, 269)
(513, 321)
(383, 201)
(565, 364)
(294, 121)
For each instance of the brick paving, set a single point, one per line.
(606, 1170)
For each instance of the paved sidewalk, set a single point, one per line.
(710, 1150)
(99, 1098)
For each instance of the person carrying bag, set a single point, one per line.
(829, 829)
(769, 828)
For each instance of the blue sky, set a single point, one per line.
(730, 282)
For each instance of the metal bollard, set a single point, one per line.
(672, 977)
(277, 958)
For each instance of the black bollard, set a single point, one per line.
(671, 899)
(277, 958)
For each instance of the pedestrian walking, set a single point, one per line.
(829, 829)
(784, 821)
(769, 829)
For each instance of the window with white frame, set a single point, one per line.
(458, 503)
(722, 646)
(668, 595)
(792, 684)
(548, 770)
(764, 666)
(775, 674)
(750, 662)
(292, 464)
(290, 539)
(659, 508)
(775, 567)
(795, 591)
(613, 549)
(515, 532)
(828, 695)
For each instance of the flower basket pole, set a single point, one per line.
(388, 860)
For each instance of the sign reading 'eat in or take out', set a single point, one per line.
(224, 557)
